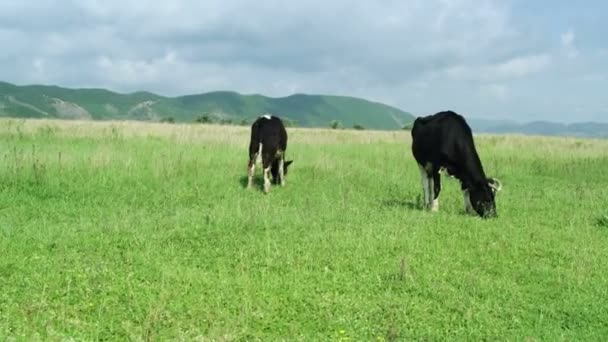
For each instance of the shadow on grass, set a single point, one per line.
(257, 182)
(411, 204)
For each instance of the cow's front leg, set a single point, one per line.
(282, 170)
(468, 207)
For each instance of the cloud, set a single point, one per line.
(38, 65)
(568, 46)
(495, 91)
(414, 54)
(514, 68)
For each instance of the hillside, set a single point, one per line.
(581, 129)
(37, 101)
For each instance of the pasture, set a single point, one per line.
(134, 231)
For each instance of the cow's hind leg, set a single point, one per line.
(436, 190)
(255, 149)
(251, 170)
(267, 165)
(267, 177)
(427, 186)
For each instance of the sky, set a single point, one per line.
(520, 60)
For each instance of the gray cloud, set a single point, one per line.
(422, 56)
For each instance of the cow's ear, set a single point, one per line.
(495, 184)
(287, 163)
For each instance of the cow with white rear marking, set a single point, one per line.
(268, 139)
(444, 141)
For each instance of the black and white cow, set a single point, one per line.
(444, 141)
(268, 137)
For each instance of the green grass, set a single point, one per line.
(116, 231)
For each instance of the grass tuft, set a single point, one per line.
(603, 221)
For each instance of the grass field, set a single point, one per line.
(132, 231)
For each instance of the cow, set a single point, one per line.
(444, 142)
(268, 138)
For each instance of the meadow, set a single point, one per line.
(141, 231)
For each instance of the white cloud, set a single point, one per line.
(567, 41)
(567, 38)
(495, 91)
(521, 66)
(38, 65)
(514, 68)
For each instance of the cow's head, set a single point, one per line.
(274, 170)
(482, 197)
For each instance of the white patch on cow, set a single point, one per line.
(468, 207)
(267, 179)
(445, 171)
(435, 205)
(267, 116)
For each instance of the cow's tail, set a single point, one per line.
(255, 145)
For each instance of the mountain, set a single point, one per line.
(37, 101)
(582, 129)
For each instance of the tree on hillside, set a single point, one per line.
(358, 127)
(289, 123)
(204, 118)
(335, 124)
(168, 119)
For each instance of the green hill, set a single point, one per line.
(35, 101)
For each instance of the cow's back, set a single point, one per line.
(271, 132)
(446, 140)
(445, 135)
